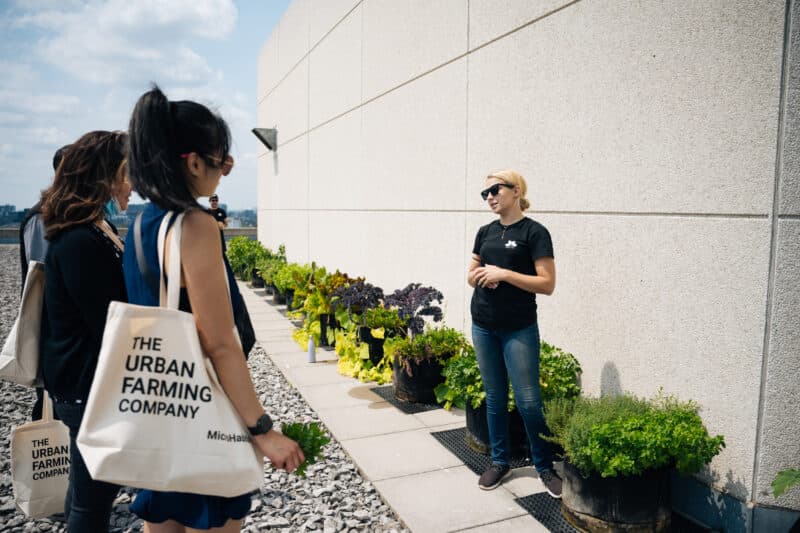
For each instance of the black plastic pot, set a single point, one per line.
(418, 386)
(375, 350)
(323, 331)
(289, 299)
(255, 280)
(279, 297)
(477, 434)
(633, 504)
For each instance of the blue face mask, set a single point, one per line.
(112, 208)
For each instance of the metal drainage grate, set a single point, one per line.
(546, 510)
(455, 440)
(408, 408)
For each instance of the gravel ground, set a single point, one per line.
(334, 497)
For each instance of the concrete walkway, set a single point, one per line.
(429, 488)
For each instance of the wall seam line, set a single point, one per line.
(418, 76)
(773, 219)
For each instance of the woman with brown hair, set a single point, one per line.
(83, 274)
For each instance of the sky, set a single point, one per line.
(71, 66)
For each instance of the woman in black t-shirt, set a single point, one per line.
(83, 273)
(512, 260)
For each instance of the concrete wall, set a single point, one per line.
(659, 149)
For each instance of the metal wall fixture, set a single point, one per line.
(268, 137)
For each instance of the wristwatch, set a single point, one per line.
(263, 425)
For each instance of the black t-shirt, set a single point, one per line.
(219, 214)
(513, 247)
(83, 273)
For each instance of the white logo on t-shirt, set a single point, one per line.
(511, 244)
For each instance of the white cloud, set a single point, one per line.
(117, 41)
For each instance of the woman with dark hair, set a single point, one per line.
(83, 274)
(178, 153)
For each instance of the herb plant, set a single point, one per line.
(269, 264)
(625, 435)
(311, 438)
(435, 343)
(415, 301)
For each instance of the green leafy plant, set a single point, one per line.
(243, 255)
(384, 322)
(311, 438)
(354, 358)
(785, 480)
(269, 264)
(293, 276)
(434, 343)
(625, 436)
(559, 375)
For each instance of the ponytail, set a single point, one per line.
(160, 131)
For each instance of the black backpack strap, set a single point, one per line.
(147, 274)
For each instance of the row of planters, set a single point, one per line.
(618, 451)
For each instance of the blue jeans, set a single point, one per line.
(512, 353)
(87, 506)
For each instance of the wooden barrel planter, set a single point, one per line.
(477, 434)
(629, 504)
(417, 387)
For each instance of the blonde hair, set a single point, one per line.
(514, 178)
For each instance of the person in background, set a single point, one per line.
(32, 244)
(512, 261)
(83, 274)
(217, 212)
(33, 247)
(179, 153)
(219, 215)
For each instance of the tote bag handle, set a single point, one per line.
(170, 292)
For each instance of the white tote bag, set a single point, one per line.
(157, 417)
(19, 359)
(40, 464)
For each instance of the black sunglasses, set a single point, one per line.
(494, 189)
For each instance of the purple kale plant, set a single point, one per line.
(357, 297)
(415, 301)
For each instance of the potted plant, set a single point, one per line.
(292, 280)
(355, 298)
(381, 323)
(419, 360)
(413, 302)
(268, 265)
(319, 302)
(559, 377)
(619, 451)
(243, 254)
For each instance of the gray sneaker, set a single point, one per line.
(493, 476)
(551, 482)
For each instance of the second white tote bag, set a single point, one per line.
(19, 358)
(40, 460)
(157, 417)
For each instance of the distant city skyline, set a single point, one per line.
(66, 74)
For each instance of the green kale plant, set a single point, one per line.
(311, 438)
